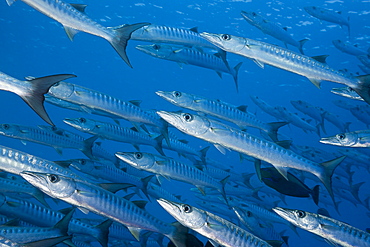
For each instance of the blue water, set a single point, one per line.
(35, 45)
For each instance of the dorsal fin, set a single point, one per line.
(320, 59)
(136, 102)
(140, 204)
(194, 29)
(242, 108)
(79, 7)
(285, 28)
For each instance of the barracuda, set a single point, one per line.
(334, 231)
(73, 19)
(192, 57)
(102, 202)
(222, 135)
(32, 91)
(100, 101)
(115, 132)
(360, 138)
(222, 110)
(212, 226)
(285, 59)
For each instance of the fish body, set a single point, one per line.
(73, 19)
(190, 56)
(361, 114)
(360, 138)
(225, 136)
(264, 53)
(332, 230)
(100, 101)
(102, 202)
(328, 15)
(348, 48)
(272, 29)
(267, 108)
(32, 91)
(222, 110)
(211, 226)
(315, 112)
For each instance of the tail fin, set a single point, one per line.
(40, 86)
(329, 167)
(273, 128)
(158, 145)
(363, 87)
(354, 190)
(235, 73)
(87, 146)
(103, 231)
(123, 34)
(179, 236)
(315, 194)
(301, 43)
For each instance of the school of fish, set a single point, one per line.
(233, 209)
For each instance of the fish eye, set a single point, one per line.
(82, 162)
(187, 208)
(225, 37)
(301, 214)
(188, 117)
(56, 84)
(53, 178)
(254, 14)
(82, 120)
(138, 155)
(249, 213)
(341, 136)
(6, 126)
(177, 94)
(156, 47)
(350, 89)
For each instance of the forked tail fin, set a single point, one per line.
(40, 86)
(329, 167)
(123, 34)
(363, 87)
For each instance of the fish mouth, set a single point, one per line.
(165, 95)
(33, 177)
(123, 156)
(328, 140)
(283, 213)
(211, 37)
(144, 48)
(171, 207)
(169, 117)
(245, 16)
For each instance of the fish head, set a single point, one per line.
(226, 42)
(10, 130)
(251, 17)
(138, 160)
(246, 217)
(156, 50)
(62, 90)
(310, 9)
(83, 124)
(51, 184)
(187, 215)
(300, 218)
(83, 165)
(342, 139)
(188, 123)
(177, 98)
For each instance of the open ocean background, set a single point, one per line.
(34, 45)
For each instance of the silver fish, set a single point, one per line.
(334, 231)
(102, 202)
(238, 115)
(73, 19)
(348, 48)
(315, 71)
(32, 91)
(224, 136)
(346, 92)
(211, 226)
(359, 138)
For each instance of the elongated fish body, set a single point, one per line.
(15, 162)
(332, 230)
(220, 109)
(170, 168)
(190, 56)
(75, 107)
(348, 48)
(361, 114)
(296, 120)
(211, 226)
(256, 225)
(37, 135)
(315, 112)
(225, 136)
(328, 15)
(32, 91)
(113, 132)
(360, 138)
(272, 28)
(93, 99)
(171, 35)
(266, 107)
(336, 120)
(365, 59)
(285, 59)
(102, 202)
(344, 104)
(73, 19)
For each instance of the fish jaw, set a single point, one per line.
(184, 213)
(332, 140)
(51, 184)
(177, 98)
(298, 218)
